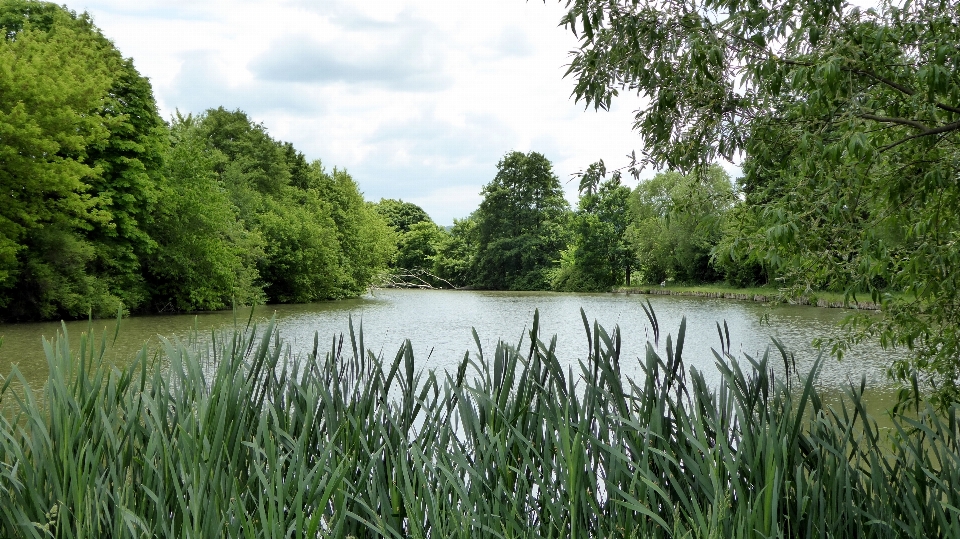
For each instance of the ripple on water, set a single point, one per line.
(439, 323)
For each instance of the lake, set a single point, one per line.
(439, 322)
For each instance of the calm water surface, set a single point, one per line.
(439, 323)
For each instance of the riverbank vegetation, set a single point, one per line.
(235, 437)
(845, 122)
(761, 294)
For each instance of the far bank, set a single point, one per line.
(831, 300)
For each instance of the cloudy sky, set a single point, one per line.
(417, 99)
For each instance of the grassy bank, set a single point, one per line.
(764, 294)
(239, 439)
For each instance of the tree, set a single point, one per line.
(293, 232)
(80, 154)
(419, 239)
(418, 246)
(675, 224)
(456, 253)
(520, 224)
(738, 254)
(367, 243)
(598, 256)
(130, 166)
(204, 258)
(855, 113)
(401, 215)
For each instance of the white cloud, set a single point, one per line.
(406, 66)
(452, 202)
(418, 99)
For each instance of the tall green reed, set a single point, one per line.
(237, 437)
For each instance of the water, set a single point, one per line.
(439, 323)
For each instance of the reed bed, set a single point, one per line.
(239, 438)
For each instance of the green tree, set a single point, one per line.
(598, 256)
(521, 225)
(419, 239)
(80, 154)
(675, 224)
(401, 215)
(738, 255)
(367, 243)
(856, 112)
(457, 252)
(130, 166)
(204, 257)
(319, 239)
(301, 259)
(418, 246)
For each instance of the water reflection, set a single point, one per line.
(439, 325)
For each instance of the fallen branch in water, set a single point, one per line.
(413, 278)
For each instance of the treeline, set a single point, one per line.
(524, 236)
(106, 205)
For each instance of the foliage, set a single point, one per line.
(204, 258)
(456, 252)
(401, 215)
(521, 224)
(272, 225)
(106, 205)
(848, 119)
(419, 239)
(675, 224)
(366, 241)
(418, 247)
(598, 256)
(734, 255)
(130, 165)
(237, 437)
(80, 147)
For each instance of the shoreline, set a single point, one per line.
(758, 298)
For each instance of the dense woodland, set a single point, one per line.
(107, 205)
(110, 206)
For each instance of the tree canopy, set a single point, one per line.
(847, 120)
(80, 156)
(418, 241)
(401, 215)
(520, 224)
(106, 205)
(675, 224)
(598, 256)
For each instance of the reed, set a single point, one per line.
(239, 438)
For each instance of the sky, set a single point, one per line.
(417, 99)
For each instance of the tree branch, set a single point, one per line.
(929, 132)
(901, 121)
(893, 84)
(904, 89)
(411, 278)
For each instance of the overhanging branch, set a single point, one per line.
(929, 132)
(902, 121)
